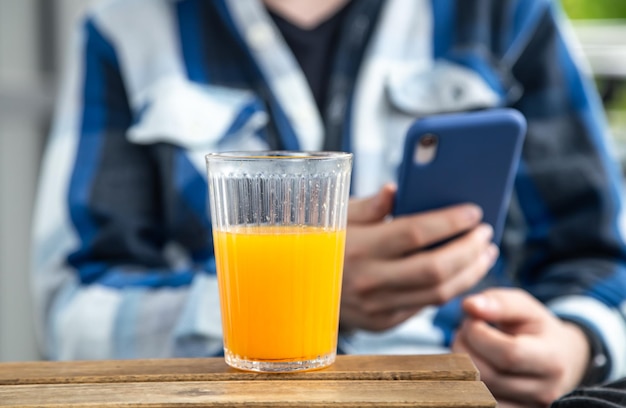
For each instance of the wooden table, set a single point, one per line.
(449, 380)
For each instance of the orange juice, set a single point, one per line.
(279, 290)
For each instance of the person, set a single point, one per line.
(123, 262)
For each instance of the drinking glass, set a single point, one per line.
(279, 228)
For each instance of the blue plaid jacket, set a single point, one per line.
(123, 263)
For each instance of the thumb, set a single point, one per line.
(372, 209)
(505, 306)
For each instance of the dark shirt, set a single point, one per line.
(314, 49)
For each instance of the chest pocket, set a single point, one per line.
(200, 119)
(443, 87)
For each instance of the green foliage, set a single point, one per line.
(595, 9)
(616, 107)
(618, 104)
(618, 99)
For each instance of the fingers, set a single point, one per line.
(511, 390)
(425, 291)
(506, 306)
(465, 279)
(372, 209)
(384, 288)
(506, 353)
(471, 252)
(408, 234)
(516, 390)
(535, 367)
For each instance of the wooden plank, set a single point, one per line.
(452, 367)
(422, 394)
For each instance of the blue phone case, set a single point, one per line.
(476, 160)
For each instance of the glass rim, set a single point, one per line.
(291, 155)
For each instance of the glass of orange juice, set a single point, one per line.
(279, 228)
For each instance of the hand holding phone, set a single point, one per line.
(462, 157)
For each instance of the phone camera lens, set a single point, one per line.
(428, 140)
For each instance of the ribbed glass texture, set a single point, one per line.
(280, 188)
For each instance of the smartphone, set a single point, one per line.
(462, 157)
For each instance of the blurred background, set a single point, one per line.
(33, 39)
(600, 26)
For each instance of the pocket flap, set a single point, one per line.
(439, 88)
(196, 116)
